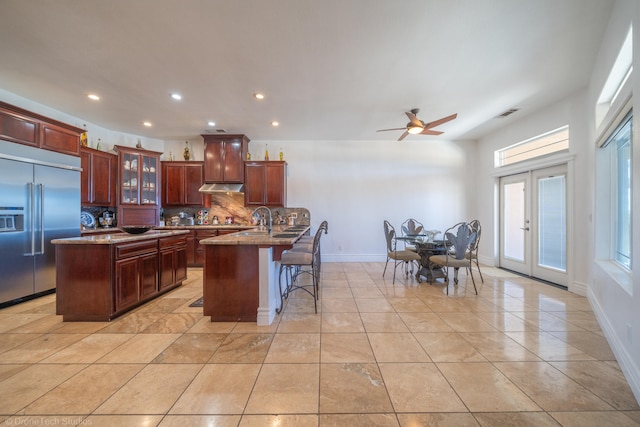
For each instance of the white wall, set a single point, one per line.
(355, 185)
(617, 306)
(617, 309)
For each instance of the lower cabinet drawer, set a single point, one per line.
(134, 249)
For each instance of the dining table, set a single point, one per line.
(426, 248)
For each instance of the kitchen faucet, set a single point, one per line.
(270, 223)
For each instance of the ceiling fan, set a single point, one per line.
(418, 127)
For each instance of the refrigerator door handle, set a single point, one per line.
(32, 228)
(41, 218)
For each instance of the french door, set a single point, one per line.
(533, 223)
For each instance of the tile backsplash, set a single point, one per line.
(232, 204)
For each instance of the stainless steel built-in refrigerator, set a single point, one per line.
(39, 201)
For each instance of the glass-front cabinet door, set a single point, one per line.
(139, 186)
(129, 178)
(149, 179)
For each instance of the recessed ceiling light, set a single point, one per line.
(176, 96)
(147, 124)
(93, 96)
(211, 123)
(258, 96)
(275, 123)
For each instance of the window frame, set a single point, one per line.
(611, 143)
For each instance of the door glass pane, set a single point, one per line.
(129, 178)
(623, 224)
(513, 221)
(149, 180)
(552, 222)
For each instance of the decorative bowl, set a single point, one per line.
(136, 229)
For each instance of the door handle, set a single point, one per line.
(41, 187)
(32, 220)
(524, 228)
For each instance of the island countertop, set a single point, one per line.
(260, 236)
(117, 237)
(207, 227)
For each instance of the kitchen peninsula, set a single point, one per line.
(240, 278)
(102, 276)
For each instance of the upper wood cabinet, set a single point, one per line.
(139, 184)
(98, 177)
(181, 182)
(224, 156)
(25, 127)
(265, 183)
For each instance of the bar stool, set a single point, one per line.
(296, 263)
(305, 243)
(307, 246)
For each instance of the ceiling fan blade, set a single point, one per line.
(384, 130)
(426, 131)
(403, 136)
(413, 119)
(440, 121)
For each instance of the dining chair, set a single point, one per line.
(473, 249)
(458, 240)
(296, 263)
(399, 257)
(408, 228)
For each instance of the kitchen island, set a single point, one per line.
(102, 276)
(241, 271)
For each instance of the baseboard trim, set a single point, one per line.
(629, 368)
(353, 258)
(579, 288)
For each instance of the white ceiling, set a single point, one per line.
(330, 69)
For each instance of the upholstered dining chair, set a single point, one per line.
(399, 257)
(473, 249)
(458, 239)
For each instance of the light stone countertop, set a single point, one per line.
(279, 235)
(117, 237)
(206, 227)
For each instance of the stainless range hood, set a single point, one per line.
(221, 187)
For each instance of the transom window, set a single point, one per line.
(541, 145)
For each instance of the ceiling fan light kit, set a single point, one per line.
(417, 126)
(414, 130)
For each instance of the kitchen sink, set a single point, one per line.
(284, 235)
(252, 233)
(296, 228)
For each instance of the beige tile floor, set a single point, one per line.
(521, 353)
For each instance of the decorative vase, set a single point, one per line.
(187, 152)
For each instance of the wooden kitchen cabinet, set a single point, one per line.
(139, 183)
(265, 183)
(181, 182)
(25, 127)
(199, 249)
(173, 261)
(195, 251)
(102, 281)
(98, 177)
(224, 156)
(136, 272)
(59, 138)
(191, 248)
